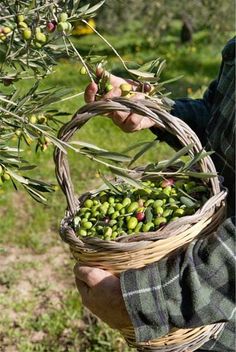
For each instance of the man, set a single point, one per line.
(196, 286)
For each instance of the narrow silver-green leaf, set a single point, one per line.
(127, 178)
(183, 151)
(143, 151)
(141, 73)
(94, 8)
(197, 157)
(113, 156)
(109, 184)
(87, 145)
(17, 177)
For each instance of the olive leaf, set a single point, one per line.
(183, 151)
(109, 184)
(145, 148)
(87, 145)
(197, 157)
(112, 156)
(148, 214)
(127, 178)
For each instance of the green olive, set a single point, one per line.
(148, 202)
(172, 200)
(119, 206)
(62, 26)
(87, 225)
(158, 203)
(22, 25)
(159, 210)
(179, 212)
(103, 209)
(41, 37)
(126, 201)
(107, 232)
(111, 200)
(148, 226)
(174, 218)
(160, 221)
(108, 87)
(6, 30)
(167, 212)
(93, 219)
(115, 214)
(87, 215)
(20, 18)
(138, 227)
(83, 71)
(6, 177)
(167, 190)
(94, 208)
(132, 223)
(114, 235)
(63, 17)
(111, 210)
(88, 203)
(27, 34)
(82, 232)
(132, 207)
(83, 210)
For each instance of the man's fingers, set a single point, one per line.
(90, 276)
(90, 92)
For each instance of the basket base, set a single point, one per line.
(178, 340)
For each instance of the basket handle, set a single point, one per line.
(163, 120)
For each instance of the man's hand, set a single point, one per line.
(127, 122)
(101, 294)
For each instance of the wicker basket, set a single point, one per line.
(137, 251)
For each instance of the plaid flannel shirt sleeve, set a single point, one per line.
(195, 112)
(192, 288)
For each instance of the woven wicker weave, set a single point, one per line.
(136, 251)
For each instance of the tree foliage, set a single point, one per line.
(33, 34)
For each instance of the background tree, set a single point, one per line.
(157, 16)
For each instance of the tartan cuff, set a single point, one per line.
(145, 302)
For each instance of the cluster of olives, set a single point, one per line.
(4, 33)
(41, 119)
(37, 35)
(43, 142)
(4, 176)
(108, 215)
(126, 88)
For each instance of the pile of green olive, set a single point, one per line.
(108, 215)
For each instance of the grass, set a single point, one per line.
(40, 309)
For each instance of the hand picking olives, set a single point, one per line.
(108, 215)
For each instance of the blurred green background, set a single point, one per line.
(40, 308)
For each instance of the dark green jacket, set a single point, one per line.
(196, 286)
